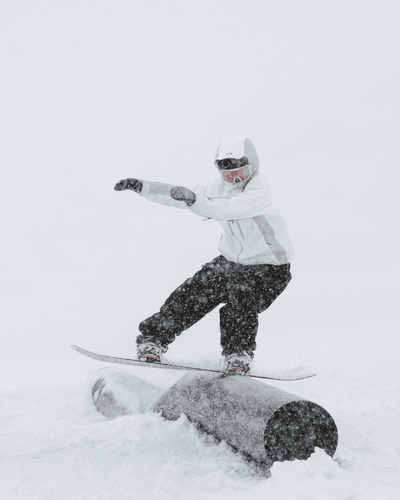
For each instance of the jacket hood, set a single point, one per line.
(237, 147)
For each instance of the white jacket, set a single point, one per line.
(254, 229)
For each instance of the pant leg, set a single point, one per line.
(190, 302)
(252, 291)
(238, 326)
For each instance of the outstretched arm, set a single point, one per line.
(158, 192)
(249, 203)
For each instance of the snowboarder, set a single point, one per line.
(252, 270)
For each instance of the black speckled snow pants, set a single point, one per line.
(246, 291)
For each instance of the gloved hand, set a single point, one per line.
(181, 193)
(132, 184)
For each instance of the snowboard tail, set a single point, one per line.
(169, 366)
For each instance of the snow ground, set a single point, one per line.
(56, 445)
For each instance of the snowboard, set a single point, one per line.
(170, 366)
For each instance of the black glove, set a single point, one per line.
(132, 184)
(181, 193)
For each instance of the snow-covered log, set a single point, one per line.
(117, 393)
(262, 422)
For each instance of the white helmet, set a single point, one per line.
(236, 159)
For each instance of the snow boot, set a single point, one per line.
(237, 364)
(150, 352)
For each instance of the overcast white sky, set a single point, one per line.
(95, 91)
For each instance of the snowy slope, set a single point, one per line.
(56, 445)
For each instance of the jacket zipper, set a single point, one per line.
(240, 229)
(236, 238)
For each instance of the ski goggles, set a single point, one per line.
(234, 170)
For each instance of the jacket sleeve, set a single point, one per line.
(158, 192)
(250, 203)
